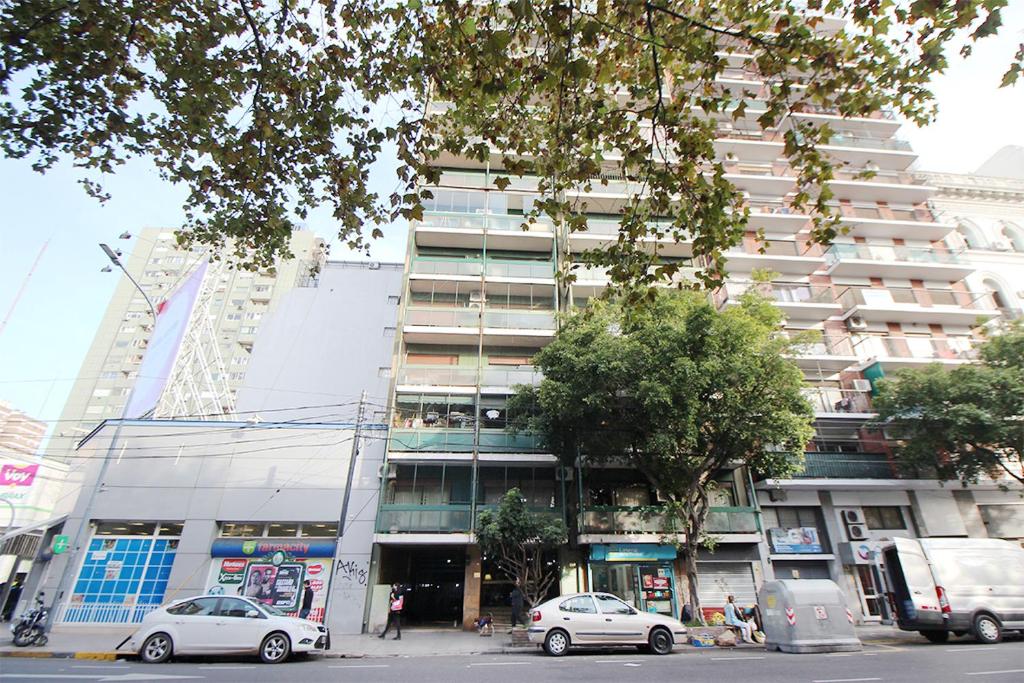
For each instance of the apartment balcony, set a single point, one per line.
(895, 353)
(775, 218)
(832, 402)
(465, 325)
(601, 233)
(473, 231)
(829, 353)
(460, 440)
(908, 305)
(766, 182)
(424, 519)
(890, 154)
(796, 300)
(819, 465)
(631, 521)
(783, 256)
(892, 261)
(593, 280)
(882, 125)
(877, 227)
(513, 272)
(455, 379)
(883, 186)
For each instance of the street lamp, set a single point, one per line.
(78, 543)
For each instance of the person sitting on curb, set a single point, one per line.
(734, 620)
(485, 625)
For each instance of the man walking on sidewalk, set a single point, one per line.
(396, 600)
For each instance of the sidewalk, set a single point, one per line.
(99, 643)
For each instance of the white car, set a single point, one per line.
(220, 624)
(599, 619)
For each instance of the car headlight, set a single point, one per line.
(310, 628)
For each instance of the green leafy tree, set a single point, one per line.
(964, 424)
(267, 110)
(518, 538)
(677, 390)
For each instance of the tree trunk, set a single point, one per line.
(692, 581)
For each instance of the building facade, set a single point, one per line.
(19, 433)
(238, 301)
(480, 297)
(283, 491)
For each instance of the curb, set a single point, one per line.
(101, 656)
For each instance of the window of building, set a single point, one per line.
(105, 528)
(1015, 235)
(237, 529)
(319, 530)
(884, 517)
(384, 372)
(389, 331)
(394, 300)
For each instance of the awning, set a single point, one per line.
(36, 526)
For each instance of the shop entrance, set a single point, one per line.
(650, 587)
(871, 593)
(434, 578)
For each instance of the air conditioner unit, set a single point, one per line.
(852, 517)
(387, 472)
(476, 297)
(856, 323)
(563, 474)
(857, 532)
(373, 265)
(861, 385)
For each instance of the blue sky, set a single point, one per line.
(52, 326)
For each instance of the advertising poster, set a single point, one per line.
(802, 539)
(280, 586)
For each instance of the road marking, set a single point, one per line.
(844, 680)
(734, 659)
(615, 661)
(359, 666)
(631, 664)
(839, 654)
(497, 664)
(219, 667)
(975, 648)
(993, 673)
(99, 666)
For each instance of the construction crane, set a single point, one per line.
(24, 284)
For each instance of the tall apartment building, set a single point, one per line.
(481, 297)
(19, 433)
(238, 301)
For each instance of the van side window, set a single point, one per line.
(884, 517)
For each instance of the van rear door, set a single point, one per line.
(917, 603)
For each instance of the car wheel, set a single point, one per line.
(557, 642)
(936, 636)
(987, 629)
(157, 648)
(660, 641)
(275, 648)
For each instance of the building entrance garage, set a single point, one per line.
(434, 578)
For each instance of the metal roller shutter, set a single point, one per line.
(720, 579)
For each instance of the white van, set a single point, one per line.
(959, 585)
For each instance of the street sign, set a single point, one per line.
(60, 544)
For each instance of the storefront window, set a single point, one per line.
(238, 529)
(320, 530)
(125, 528)
(280, 529)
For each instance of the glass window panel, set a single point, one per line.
(320, 530)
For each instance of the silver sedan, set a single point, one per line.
(600, 619)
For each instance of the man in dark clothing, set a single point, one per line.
(516, 597)
(396, 601)
(307, 600)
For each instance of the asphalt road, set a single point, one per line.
(962, 661)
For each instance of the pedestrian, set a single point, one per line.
(516, 597)
(733, 618)
(396, 600)
(307, 600)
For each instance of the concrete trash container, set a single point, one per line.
(806, 616)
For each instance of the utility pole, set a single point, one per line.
(353, 456)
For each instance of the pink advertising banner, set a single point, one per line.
(14, 475)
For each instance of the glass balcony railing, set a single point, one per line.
(518, 320)
(878, 296)
(777, 248)
(834, 400)
(782, 293)
(446, 440)
(397, 519)
(501, 222)
(629, 520)
(869, 143)
(455, 376)
(522, 269)
(926, 348)
(819, 465)
(445, 267)
(439, 317)
(874, 252)
(827, 345)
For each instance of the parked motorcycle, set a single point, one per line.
(30, 628)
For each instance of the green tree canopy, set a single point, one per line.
(517, 538)
(266, 110)
(677, 390)
(964, 424)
